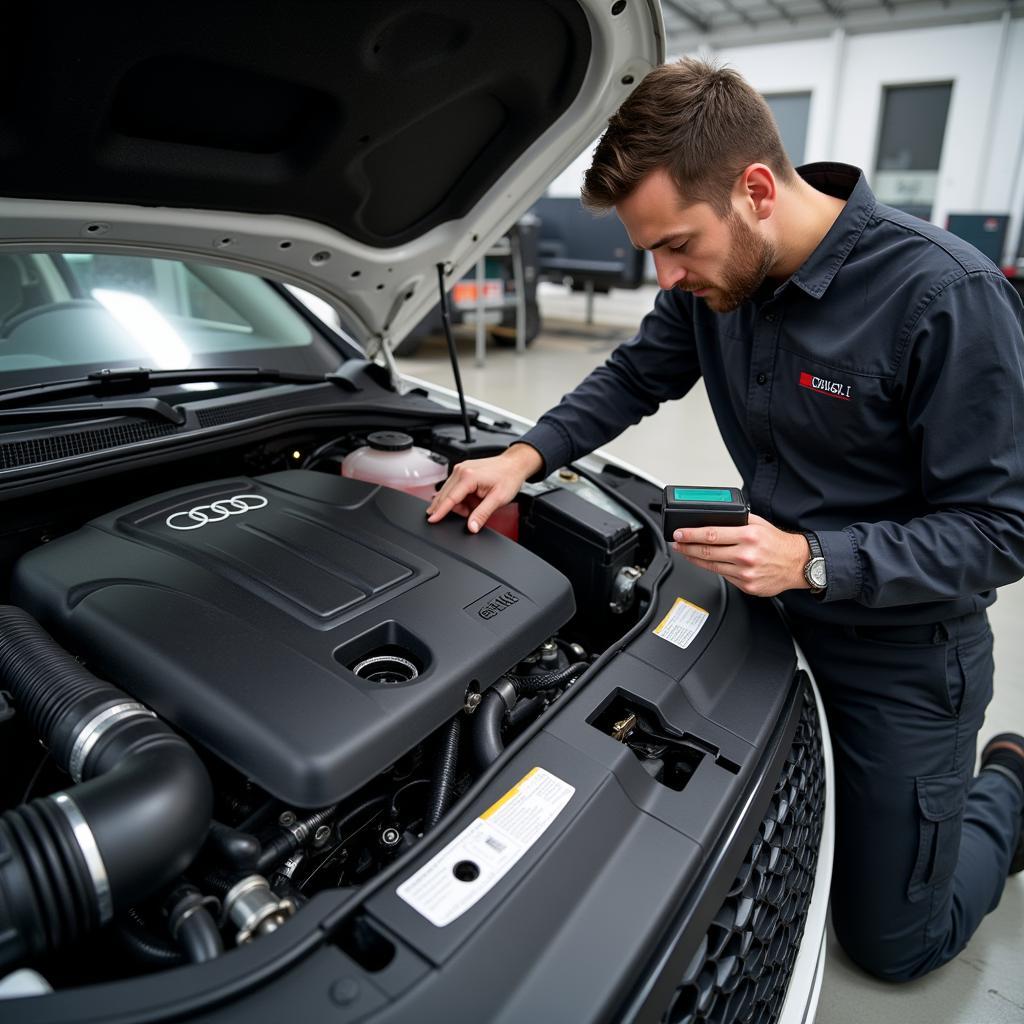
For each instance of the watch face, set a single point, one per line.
(816, 572)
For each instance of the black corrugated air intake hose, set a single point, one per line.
(446, 770)
(134, 821)
(501, 698)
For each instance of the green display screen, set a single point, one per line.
(701, 494)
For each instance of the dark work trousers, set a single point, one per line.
(922, 846)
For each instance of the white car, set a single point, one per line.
(273, 747)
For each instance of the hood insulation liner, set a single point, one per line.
(381, 120)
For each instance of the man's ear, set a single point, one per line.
(757, 190)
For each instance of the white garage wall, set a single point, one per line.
(982, 168)
(806, 66)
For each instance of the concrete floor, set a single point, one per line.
(985, 984)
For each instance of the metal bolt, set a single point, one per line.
(472, 701)
(322, 834)
(391, 836)
(287, 819)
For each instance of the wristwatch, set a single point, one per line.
(814, 570)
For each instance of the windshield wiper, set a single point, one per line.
(116, 382)
(154, 408)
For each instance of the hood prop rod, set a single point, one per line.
(446, 320)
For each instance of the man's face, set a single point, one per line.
(721, 260)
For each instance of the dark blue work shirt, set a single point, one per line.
(876, 397)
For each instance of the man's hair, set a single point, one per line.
(702, 123)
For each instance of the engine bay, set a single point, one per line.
(342, 670)
(264, 626)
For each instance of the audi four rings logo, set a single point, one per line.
(215, 512)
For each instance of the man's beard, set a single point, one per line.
(750, 258)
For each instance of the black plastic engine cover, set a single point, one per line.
(240, 623)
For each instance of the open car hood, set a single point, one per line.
(344, 147)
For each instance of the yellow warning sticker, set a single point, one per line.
(514, 791)
(682, 623)
(483, 853)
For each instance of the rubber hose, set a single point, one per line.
(220, 883)
(489, 717)
(486, 729)
(231, 846)
(198, 937)
(531, 684)
(445, 773)
(145, 946)
(525, 711)
(191, 923)
(289, 838)
(71, 861)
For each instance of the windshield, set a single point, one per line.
(61, 315)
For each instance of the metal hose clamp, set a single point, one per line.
(90, 734)
(90, 854)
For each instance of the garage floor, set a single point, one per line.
(985, 984)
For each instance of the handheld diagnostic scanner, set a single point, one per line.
(701, 506)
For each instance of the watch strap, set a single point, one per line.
(814, 544)
(816, 553)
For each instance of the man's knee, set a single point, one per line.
(885, 958)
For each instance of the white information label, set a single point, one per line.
(682, 624)
(483, 853)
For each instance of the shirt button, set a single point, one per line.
(770, 317)
(761, 378)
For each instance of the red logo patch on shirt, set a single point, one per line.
(825, 387)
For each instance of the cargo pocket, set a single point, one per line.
(940, 802)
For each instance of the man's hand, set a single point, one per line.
(477, 487)
(758, 558)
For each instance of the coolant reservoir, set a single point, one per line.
(391, 459)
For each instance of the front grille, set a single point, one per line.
(741, 969)
(63, 446)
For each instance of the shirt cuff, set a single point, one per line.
(552, 445)
(842, 565)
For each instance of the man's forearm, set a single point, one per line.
(940, 556)
(658, 364)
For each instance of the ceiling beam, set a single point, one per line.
(854, 22)
(746, 18)
(785, 12)
(694, 19)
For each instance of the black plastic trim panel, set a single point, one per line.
(740, 972)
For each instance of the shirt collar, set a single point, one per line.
(845, 182)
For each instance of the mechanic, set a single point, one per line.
(865, 371)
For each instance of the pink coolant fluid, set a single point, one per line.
(391, 459)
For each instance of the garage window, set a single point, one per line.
(910, 145)
(792, 112)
